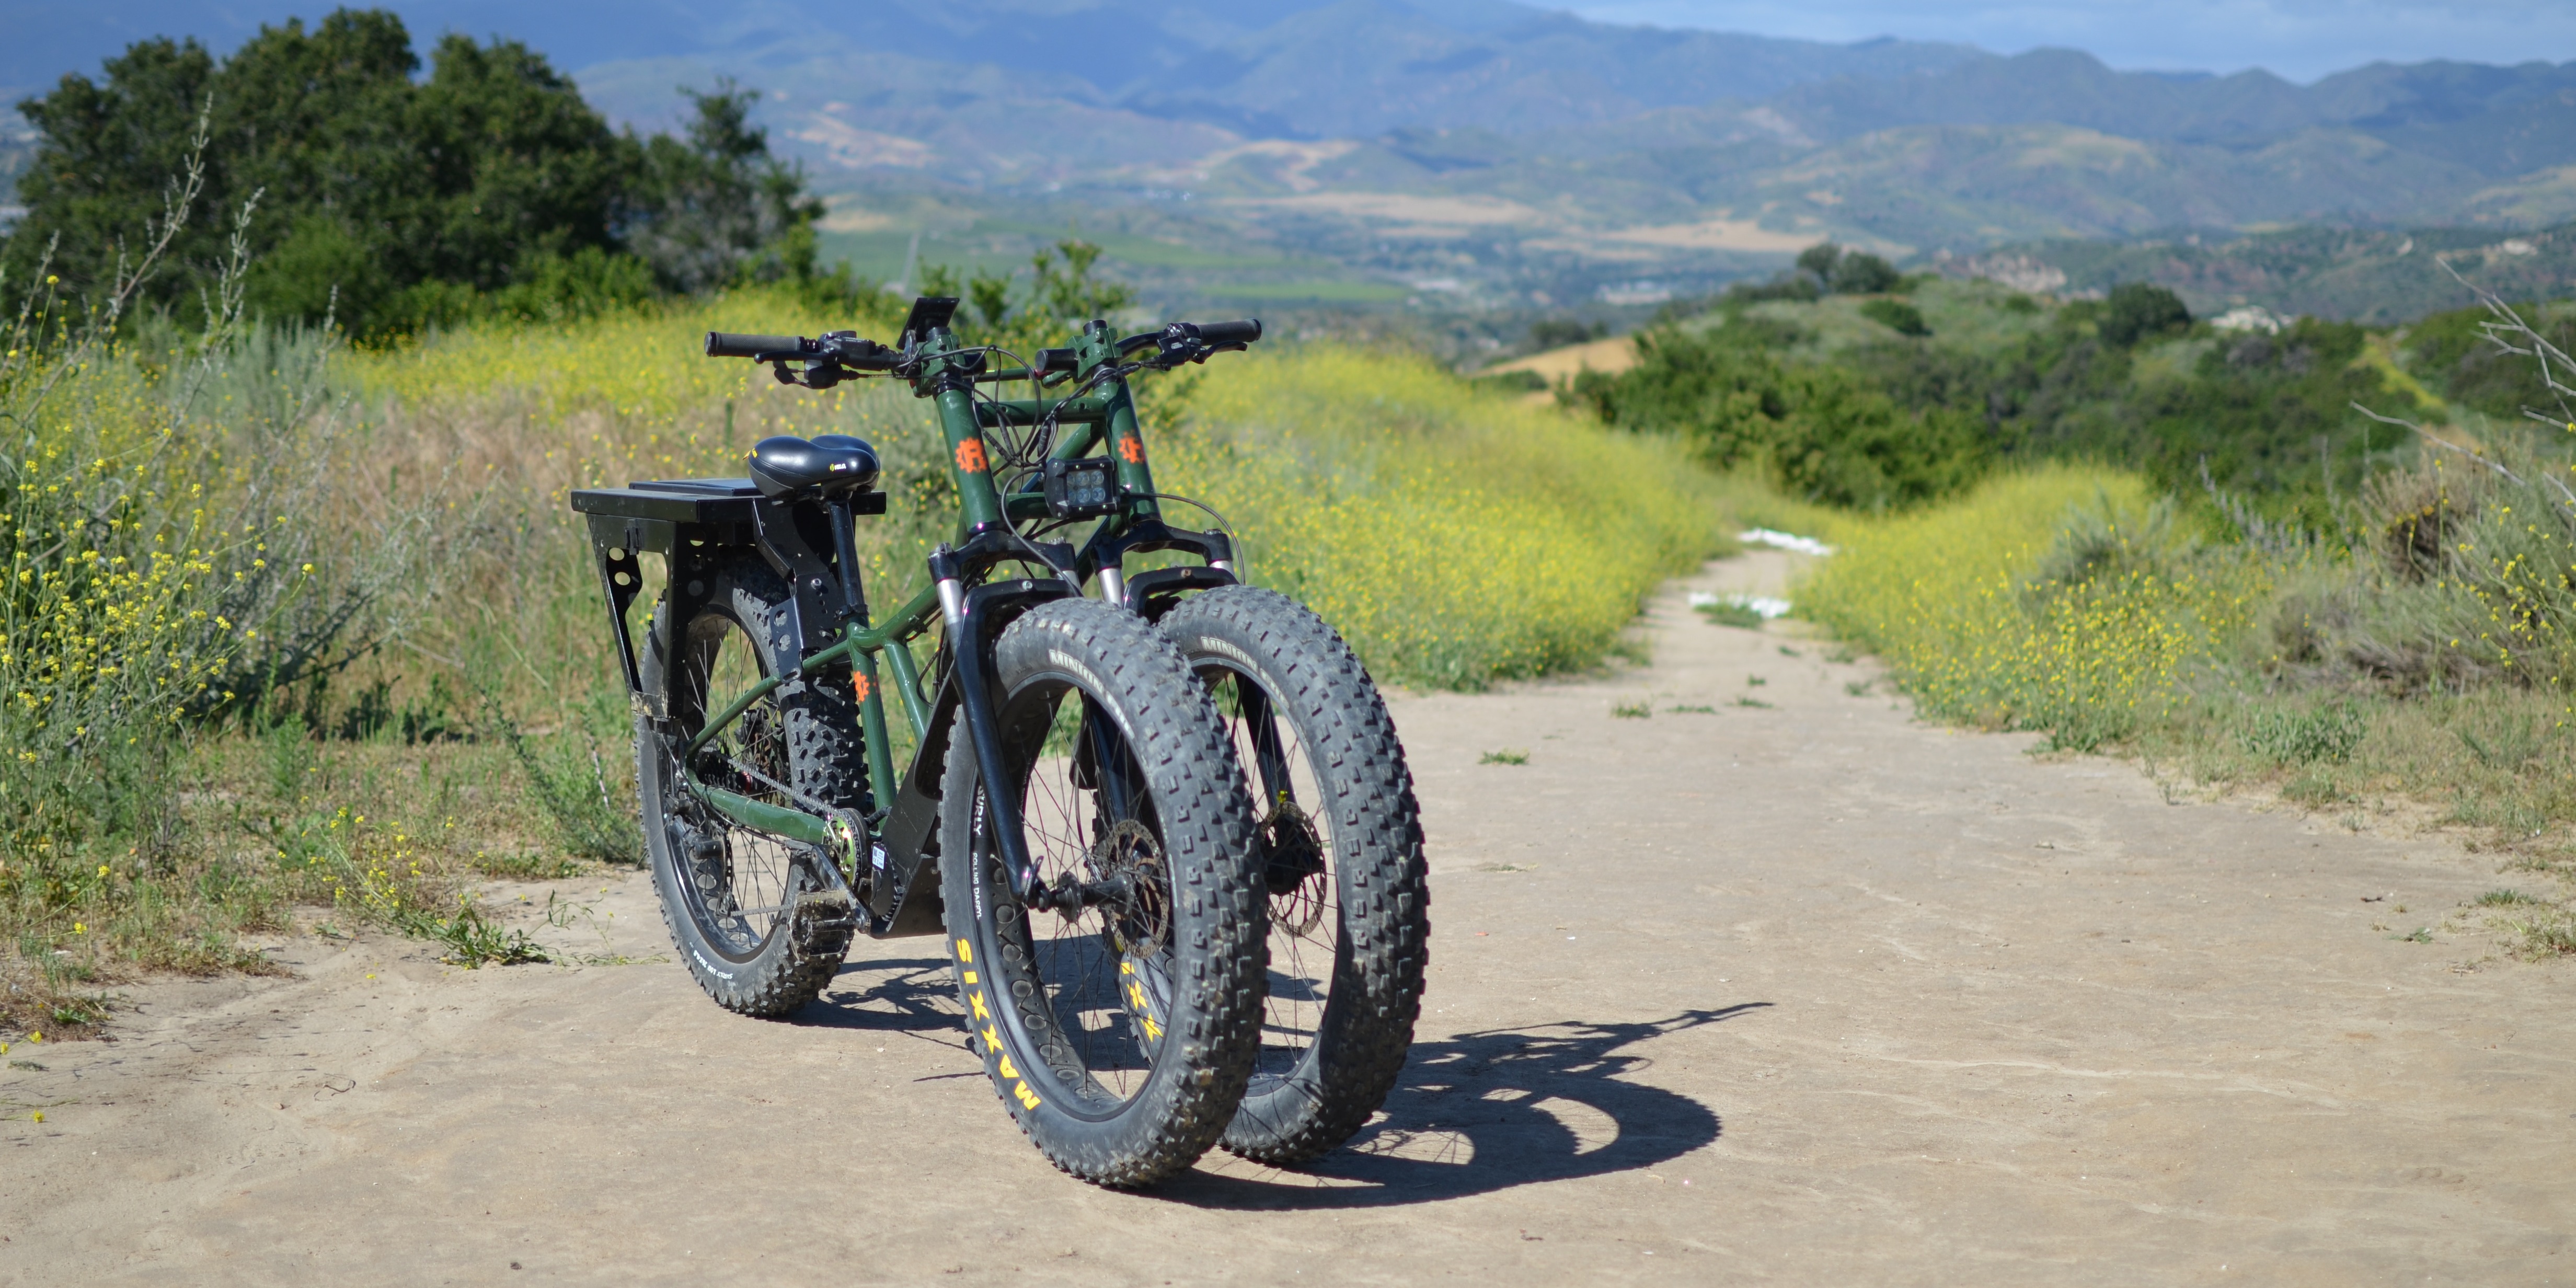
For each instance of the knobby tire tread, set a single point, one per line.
(827, 760)
(1385, 888)
(1206, 817)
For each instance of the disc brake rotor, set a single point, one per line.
(1293, 867)
(1140, 919)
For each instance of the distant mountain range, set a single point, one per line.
(1260, 68)
(2381, 276)
(1498, 152)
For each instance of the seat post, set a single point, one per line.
(845, 556)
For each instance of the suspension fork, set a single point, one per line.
(972, 672)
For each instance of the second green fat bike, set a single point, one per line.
(1166, 833)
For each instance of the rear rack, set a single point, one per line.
(658, 515)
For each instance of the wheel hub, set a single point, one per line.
(1292, 861)
(1128, 881)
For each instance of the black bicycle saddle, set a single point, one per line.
(783, 466)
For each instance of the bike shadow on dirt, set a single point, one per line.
(1489, 1111)
(901, 995)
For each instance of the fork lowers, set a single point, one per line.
(1118, 1007)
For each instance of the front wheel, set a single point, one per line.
(1341, 843)
(1119, 1023)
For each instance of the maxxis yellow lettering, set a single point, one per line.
(965, 951)
(975, 1000)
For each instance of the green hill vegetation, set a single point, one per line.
(2121, 527)
(304, 634)
(341, 185)
(1885, 400)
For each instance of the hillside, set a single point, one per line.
(2378, 276)
(1477, 157)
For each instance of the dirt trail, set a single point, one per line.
(1807, 993)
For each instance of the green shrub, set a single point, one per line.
(1896, 315)
(2321, 735)
(1822, 432)
(2139, 310)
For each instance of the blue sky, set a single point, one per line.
(2299, 39)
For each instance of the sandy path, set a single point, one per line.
(1808, 994)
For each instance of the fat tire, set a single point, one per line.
(825, 758)
(1366, 1030)
(1216, 910)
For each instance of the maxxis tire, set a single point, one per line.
(1185, 1093)
(1295, 1114)
(825, 758)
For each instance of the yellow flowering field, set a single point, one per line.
(2048, 599)
(1455, 537)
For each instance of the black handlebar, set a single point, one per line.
(725, 344)
(1180, 342)
(844, 348)
(1243, 332)
(1194, 341)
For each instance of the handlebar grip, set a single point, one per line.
(1048, 361)
(725, 344)
(1243, 332)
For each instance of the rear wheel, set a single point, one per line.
(1342, 861)
(1118, 1023)
(752, 915)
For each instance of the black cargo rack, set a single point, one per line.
(659, 514)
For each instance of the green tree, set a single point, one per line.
(2139, 311)
(1861, 273)
(1825, 432)
(1818, 260)
(715, 208)
(487, 187)
(368, 183)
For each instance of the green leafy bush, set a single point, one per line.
(1896, 315)
(1822, 431)
(2320, 735)
(2141, 310)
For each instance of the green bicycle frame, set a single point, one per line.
(946, 372)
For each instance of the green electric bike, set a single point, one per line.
(1166, 832)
